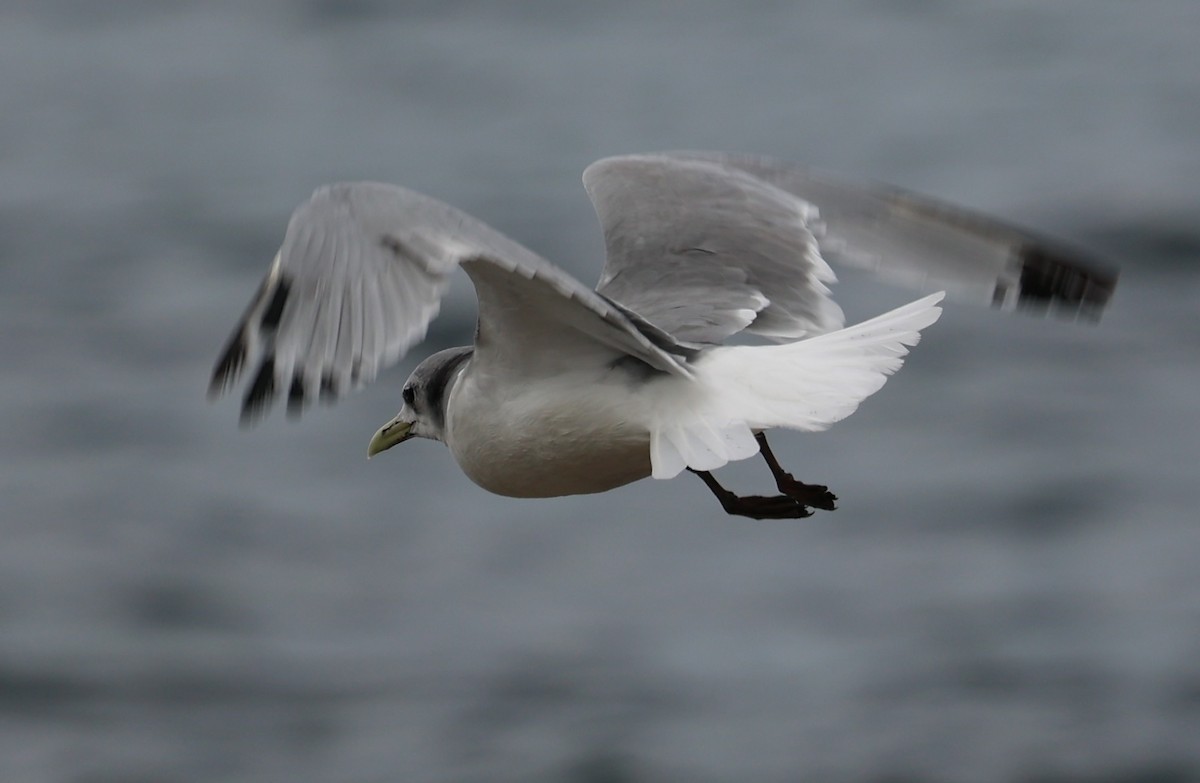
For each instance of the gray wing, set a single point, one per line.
(360, 275)
(928, 244)
(705, 251)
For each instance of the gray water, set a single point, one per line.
(1010, 590)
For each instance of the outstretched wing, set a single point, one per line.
(928, 244)
(361, 274)
(708, 244)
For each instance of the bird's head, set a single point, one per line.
(426, 393)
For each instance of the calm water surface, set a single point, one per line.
(1009, 592)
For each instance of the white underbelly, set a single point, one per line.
(547, 443)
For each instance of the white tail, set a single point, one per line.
(805, 385)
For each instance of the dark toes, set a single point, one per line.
(819, 497)
(815, 495)
(774, 507)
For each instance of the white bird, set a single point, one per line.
(569, 390)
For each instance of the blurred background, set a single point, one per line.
(1010, 590)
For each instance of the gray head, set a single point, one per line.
(425, 394)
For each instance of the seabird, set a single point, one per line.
(571, 390)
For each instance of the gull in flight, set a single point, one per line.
(571, 390)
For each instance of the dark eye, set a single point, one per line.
(408, 395)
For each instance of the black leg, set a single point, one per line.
(815, 495)
(754, 506)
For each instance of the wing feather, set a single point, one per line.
(700, 246)
(928, 244)
(705, 252)
(360, 275)
(696, 241)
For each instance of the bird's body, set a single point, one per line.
(611, 423)
(572, 391)
(599, 428)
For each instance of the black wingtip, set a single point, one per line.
(269, 302)
(273, 312)
(297, 399)
(261, 393)
(329, 390)
(1056, 281)
(229, 365)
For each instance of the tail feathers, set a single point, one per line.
(805, 385)
(700, 445)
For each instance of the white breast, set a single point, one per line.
(566, 435)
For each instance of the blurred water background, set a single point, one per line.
(1010, 590)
